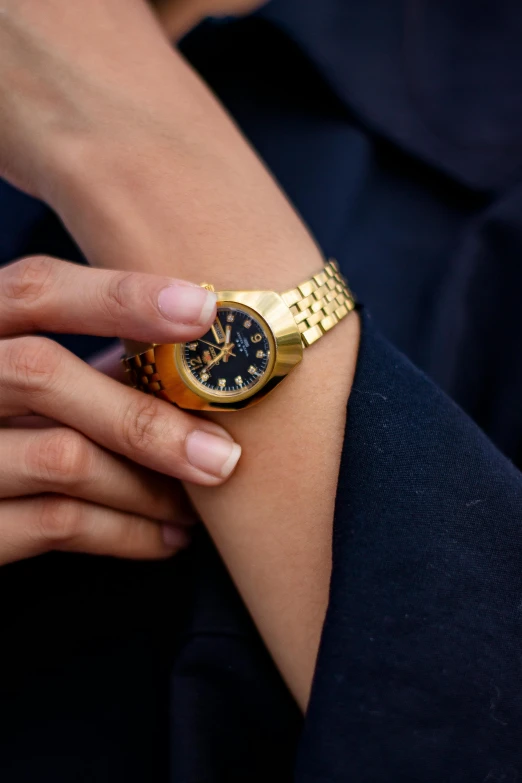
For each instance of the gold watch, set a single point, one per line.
(256, 340)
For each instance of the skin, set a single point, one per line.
(147, 171)
(177, 17)
(81, 468)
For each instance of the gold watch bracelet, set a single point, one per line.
(320, 303)
(317, 305)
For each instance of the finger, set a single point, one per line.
(39, 376)
(31, 526)
(60, 460)
(108, 362)
(45, 294)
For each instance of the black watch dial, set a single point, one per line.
(233, 356)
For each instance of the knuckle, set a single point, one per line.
(28, 280)
(60, 519)
(119, 295)
(31, 363)
(139, 427)
(59, 457)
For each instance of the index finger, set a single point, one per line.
(40, 376)
(45, 294)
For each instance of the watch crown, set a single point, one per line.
(208, 286)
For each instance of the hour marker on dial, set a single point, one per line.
(222, 383)
(192, 346)
(204, 376)
(252, 369)
(260, 354)
(247, 324)
(230, 318)
(239, 380)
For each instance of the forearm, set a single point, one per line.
(272, 522)
(208, 211)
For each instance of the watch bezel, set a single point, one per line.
(286, 351)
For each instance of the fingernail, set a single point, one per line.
(212, 454)
(187, 304)
(175, 538)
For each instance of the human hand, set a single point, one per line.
(91, 482)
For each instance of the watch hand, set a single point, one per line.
(228, 332)
(200, 340)
(228, 351)
(215, 361)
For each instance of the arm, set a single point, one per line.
(180, 192)
(272, 524)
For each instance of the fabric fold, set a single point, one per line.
(417, 677)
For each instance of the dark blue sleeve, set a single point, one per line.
(418, 676)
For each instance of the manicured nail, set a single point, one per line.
(212, 454)
(175, 538)
(187, 304)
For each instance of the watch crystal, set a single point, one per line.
(232, 356)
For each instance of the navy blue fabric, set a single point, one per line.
(416, 679)
(441, 78)
(131, 672)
